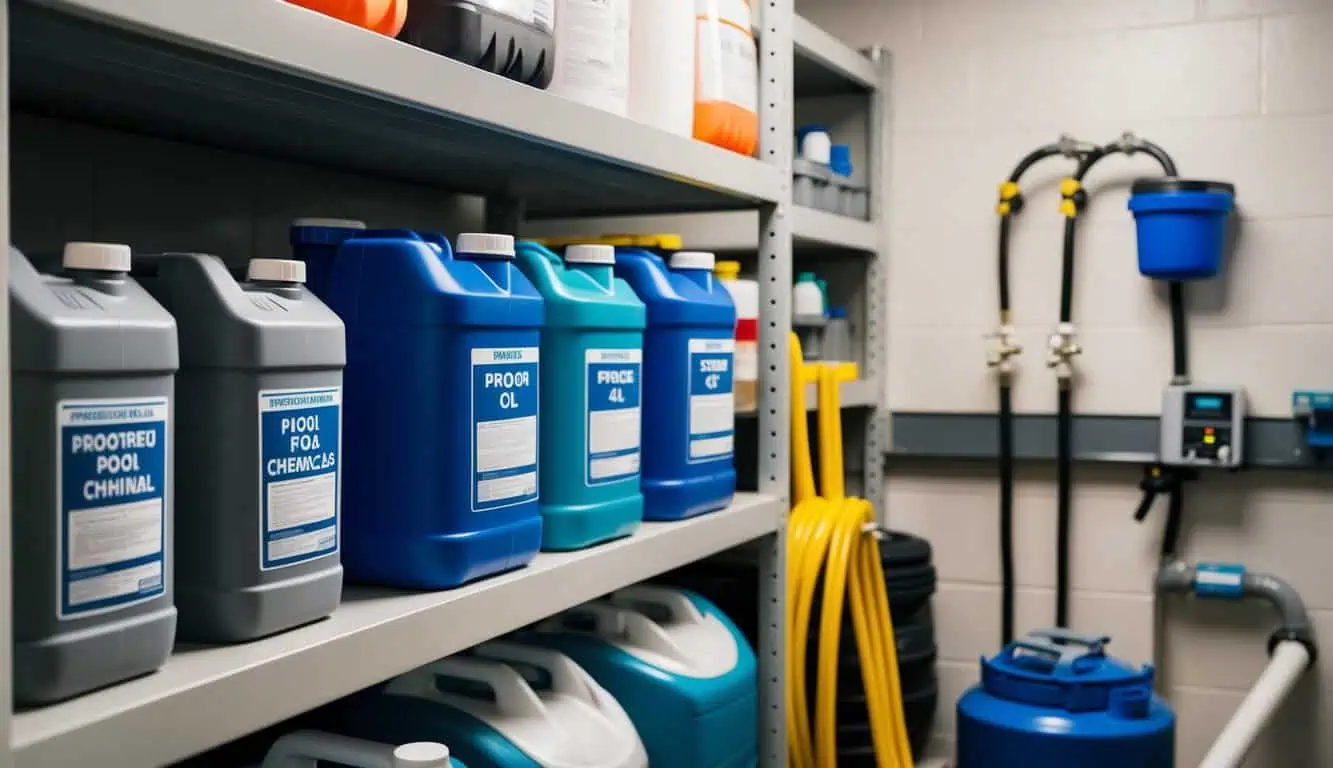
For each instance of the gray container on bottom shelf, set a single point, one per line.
(259, 408)
(93, 358)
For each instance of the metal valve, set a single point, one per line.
(1061, 351)
(1002, 347)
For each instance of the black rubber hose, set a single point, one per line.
(1004, 268)
(1064, 485)
(1006, 425)
(1175, 512)
(1179, 341)
(1067, 272)
(1160, 155)
(1032, 158)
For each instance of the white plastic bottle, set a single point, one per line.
(745, 294)
(592, 49)
(662, 64)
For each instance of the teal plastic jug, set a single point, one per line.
(591, 370)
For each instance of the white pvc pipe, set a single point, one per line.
(1289, 662)
(303, 749)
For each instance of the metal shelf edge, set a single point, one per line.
(290, 39)
(206, 696)
(815, 44)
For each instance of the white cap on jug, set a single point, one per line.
(276, 270)
(103, 257)
(421, 754)
(692, 260)
(331, 223)
(590, 254)
(485, 244)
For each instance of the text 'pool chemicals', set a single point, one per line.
(590, 437)
(442, 388)
(259, 404)
(93, 359)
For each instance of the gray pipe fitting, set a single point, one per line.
(1177, 576)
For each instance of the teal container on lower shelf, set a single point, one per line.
(591, 371)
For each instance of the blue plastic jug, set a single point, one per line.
(1055, 699)
(316, 241)
(688, 371)
(681, 669)
(441, 386)
(592, 370)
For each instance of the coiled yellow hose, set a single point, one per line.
(829, 535)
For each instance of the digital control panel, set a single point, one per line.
(1202, 426)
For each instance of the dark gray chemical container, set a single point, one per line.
(93, 359)
(259, 406)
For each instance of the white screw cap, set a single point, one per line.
(485, 244)
(693, 260)
(421, 754)
(276, 270)
(590, 254)
(334, 223)
(104, 257)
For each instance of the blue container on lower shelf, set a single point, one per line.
(1182, 226)
(1054, 699)
(681, 669)
(688, 374)
(440, 415)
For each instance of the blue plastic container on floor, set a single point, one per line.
(316, 241)
(441, 400)
(682, 670)
(688, 371)
(1182, 226)
(592, 371)
(1054, 699)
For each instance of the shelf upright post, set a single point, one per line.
(6, 616)
(776, 93)
(876, 337)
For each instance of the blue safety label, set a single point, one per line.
(711, 407)
(612, 424)
(111, 465)
(504, 427)
(299, 450)
(1224, 580)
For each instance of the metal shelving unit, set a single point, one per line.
(267, 78)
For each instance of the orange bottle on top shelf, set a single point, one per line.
(383, 16)
(726, 81)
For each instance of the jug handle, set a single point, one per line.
(677, 605)
(608, 621)
(512, 692)
(566, 676)
(303, 749)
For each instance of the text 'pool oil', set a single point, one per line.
(93, 357)
(259, 405)
(688, 374)
(441, 393)
(592, 375)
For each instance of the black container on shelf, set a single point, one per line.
(479, 33)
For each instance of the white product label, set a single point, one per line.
(711, 407)
(613, 399)
(747, 361)
(728, 65)
(592, 50)
(111, 465)
(300, 432)
(504, 432)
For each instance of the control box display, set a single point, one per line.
(1202, 426)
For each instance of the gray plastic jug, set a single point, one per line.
(93, 356)
(259, 406)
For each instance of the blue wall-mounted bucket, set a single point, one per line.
(1181, 226)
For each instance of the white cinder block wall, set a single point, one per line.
(1240, 90)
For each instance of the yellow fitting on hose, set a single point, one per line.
(1002, 209)
(1069, 186)
(828, 548)
(1069, 208)
(1008, 190)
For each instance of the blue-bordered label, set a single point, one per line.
(300, 449)
(712, 409)
(612, 415)
(111, 470)
(1224, 580)
(504, 427)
